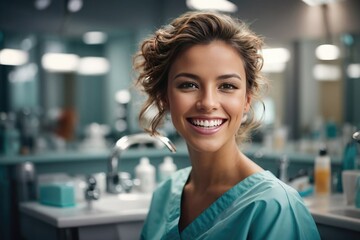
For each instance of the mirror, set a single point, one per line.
(328, 87)
(86, 84)
(297, 95)
(312, 94)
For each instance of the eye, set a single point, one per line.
(227, 86)
(187, 85)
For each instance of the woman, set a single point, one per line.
(204, 69)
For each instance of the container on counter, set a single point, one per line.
(322, 173)
(166, 168)
(145, 172)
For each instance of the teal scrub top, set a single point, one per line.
(259, 207)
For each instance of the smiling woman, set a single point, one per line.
(210, 66)
(207, 88)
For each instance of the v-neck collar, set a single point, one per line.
(207, 218)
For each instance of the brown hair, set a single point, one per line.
(158, 52)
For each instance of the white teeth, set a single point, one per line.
(207, 123)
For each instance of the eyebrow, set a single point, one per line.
(232, 75)
(221, 77)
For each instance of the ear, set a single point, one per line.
(248, 102)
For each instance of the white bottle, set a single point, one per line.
(145, 172)
(166, 168)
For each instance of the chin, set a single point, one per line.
(204, 146)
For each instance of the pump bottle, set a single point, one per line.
(166, 168)
(145, 172)
(322, 173)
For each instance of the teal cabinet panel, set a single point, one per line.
(5, 204)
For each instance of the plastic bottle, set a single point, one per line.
(348, 161)
(145, 172)
(166, 168)
(322, 173)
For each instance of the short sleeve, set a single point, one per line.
(282, 215)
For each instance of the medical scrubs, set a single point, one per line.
(259, 207)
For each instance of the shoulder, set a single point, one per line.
(276, 206)
(270, 187)
(263, 194)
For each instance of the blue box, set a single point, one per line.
(57, 194)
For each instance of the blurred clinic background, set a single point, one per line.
(67, 95)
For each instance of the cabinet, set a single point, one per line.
(35, 229)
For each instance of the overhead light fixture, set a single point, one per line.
(42, 4)
(276, 55)
(216, 5)
(275, 59)
(60, 62)
(273, 67)
(93, 66)
(327, 72)
(13, 57)
(327, 52)
(353, 70)
(95, 37)
(74, 5)
(123, 96)
(318, 2)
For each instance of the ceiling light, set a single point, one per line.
(276, 55)
(13, 57)
(318, 2)
(123, 96)
(327, 52)
(60, 62)
(275, 59)
(74, 5)
(94, 37)
(273, 67)
(42, 4)
(217, 5)
(327, 72)
(353, 70)
(93, 66)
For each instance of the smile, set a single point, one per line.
(206, 123)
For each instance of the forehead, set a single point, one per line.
(216, 56)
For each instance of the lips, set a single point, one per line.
(206, 123)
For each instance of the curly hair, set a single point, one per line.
(159, 51)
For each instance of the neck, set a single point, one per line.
(219, 171)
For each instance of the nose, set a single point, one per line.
(208, 101)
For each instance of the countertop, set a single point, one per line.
(109, 210)
(333, 211)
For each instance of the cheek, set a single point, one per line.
(236, 107)
(178, 105)
(173, 101)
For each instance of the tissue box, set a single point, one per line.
(57, 194)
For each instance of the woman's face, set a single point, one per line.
(206, 95)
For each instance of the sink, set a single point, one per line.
(123, 202)
(333, 211)
(108, 209)
(351, 213)
(112, 217)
